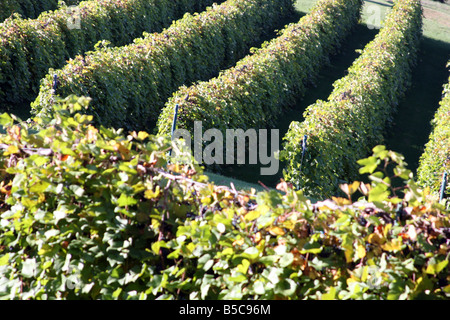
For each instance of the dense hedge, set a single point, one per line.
(345, 128)
(30, 8)
(89, 213)
(264, 84)
(129, 85)
(28, 48)
(436, 158)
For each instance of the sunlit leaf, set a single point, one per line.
(276, 231)
(330, 295)
(361, 252)
(437, 267)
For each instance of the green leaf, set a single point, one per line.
(39, 160)
(77, 190)
(250, 253)
(208, 265)
(59, 214)
(273, 274)
(313, 247)
(380, 152)
(243, 267)
(29, 268)
(125, 200)
(156, 246)
(378, 194)
(330, 295)
(259, 288)
(286, 260)
(269, 260)
(4, 260)
(117, 293)
(6, 120)
(437, 267)
(39, 187)
(286, 287)
(369, 164)
(238, 278)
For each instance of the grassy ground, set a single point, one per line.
(411, 127)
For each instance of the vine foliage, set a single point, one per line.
(89, 212)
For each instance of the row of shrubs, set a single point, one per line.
(29, 47)
(30, 8)
(129, 85)
(436, 158)
(345, 128)
(264, 84)
(92, 213)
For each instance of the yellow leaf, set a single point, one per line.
(361, 252)
(206, 201)
(375, 239)
(331, 295)
(12, 150)
(437, 267)
(124, 152)
(227, 252)
(238, 242)
(350, 189)
(353, 187)
(447, 289)
(386, 230)
(142, 135)
(252, 215)
(365, 274)
(41, 198)
(190, 247)
(341, 201)
(289, 224)
(150, 194)
(349, 253)
(394, 245)
(276, 231)
(352, 279)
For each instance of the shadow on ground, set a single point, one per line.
(411, 124)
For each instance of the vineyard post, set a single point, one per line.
(174, 125)
(305, 138)
(55, 83)
(443, 186)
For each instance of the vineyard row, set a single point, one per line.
(30, 8)
(262, 85)
(435, 160)
(29, 47)
(347, 126)
(129, 85)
